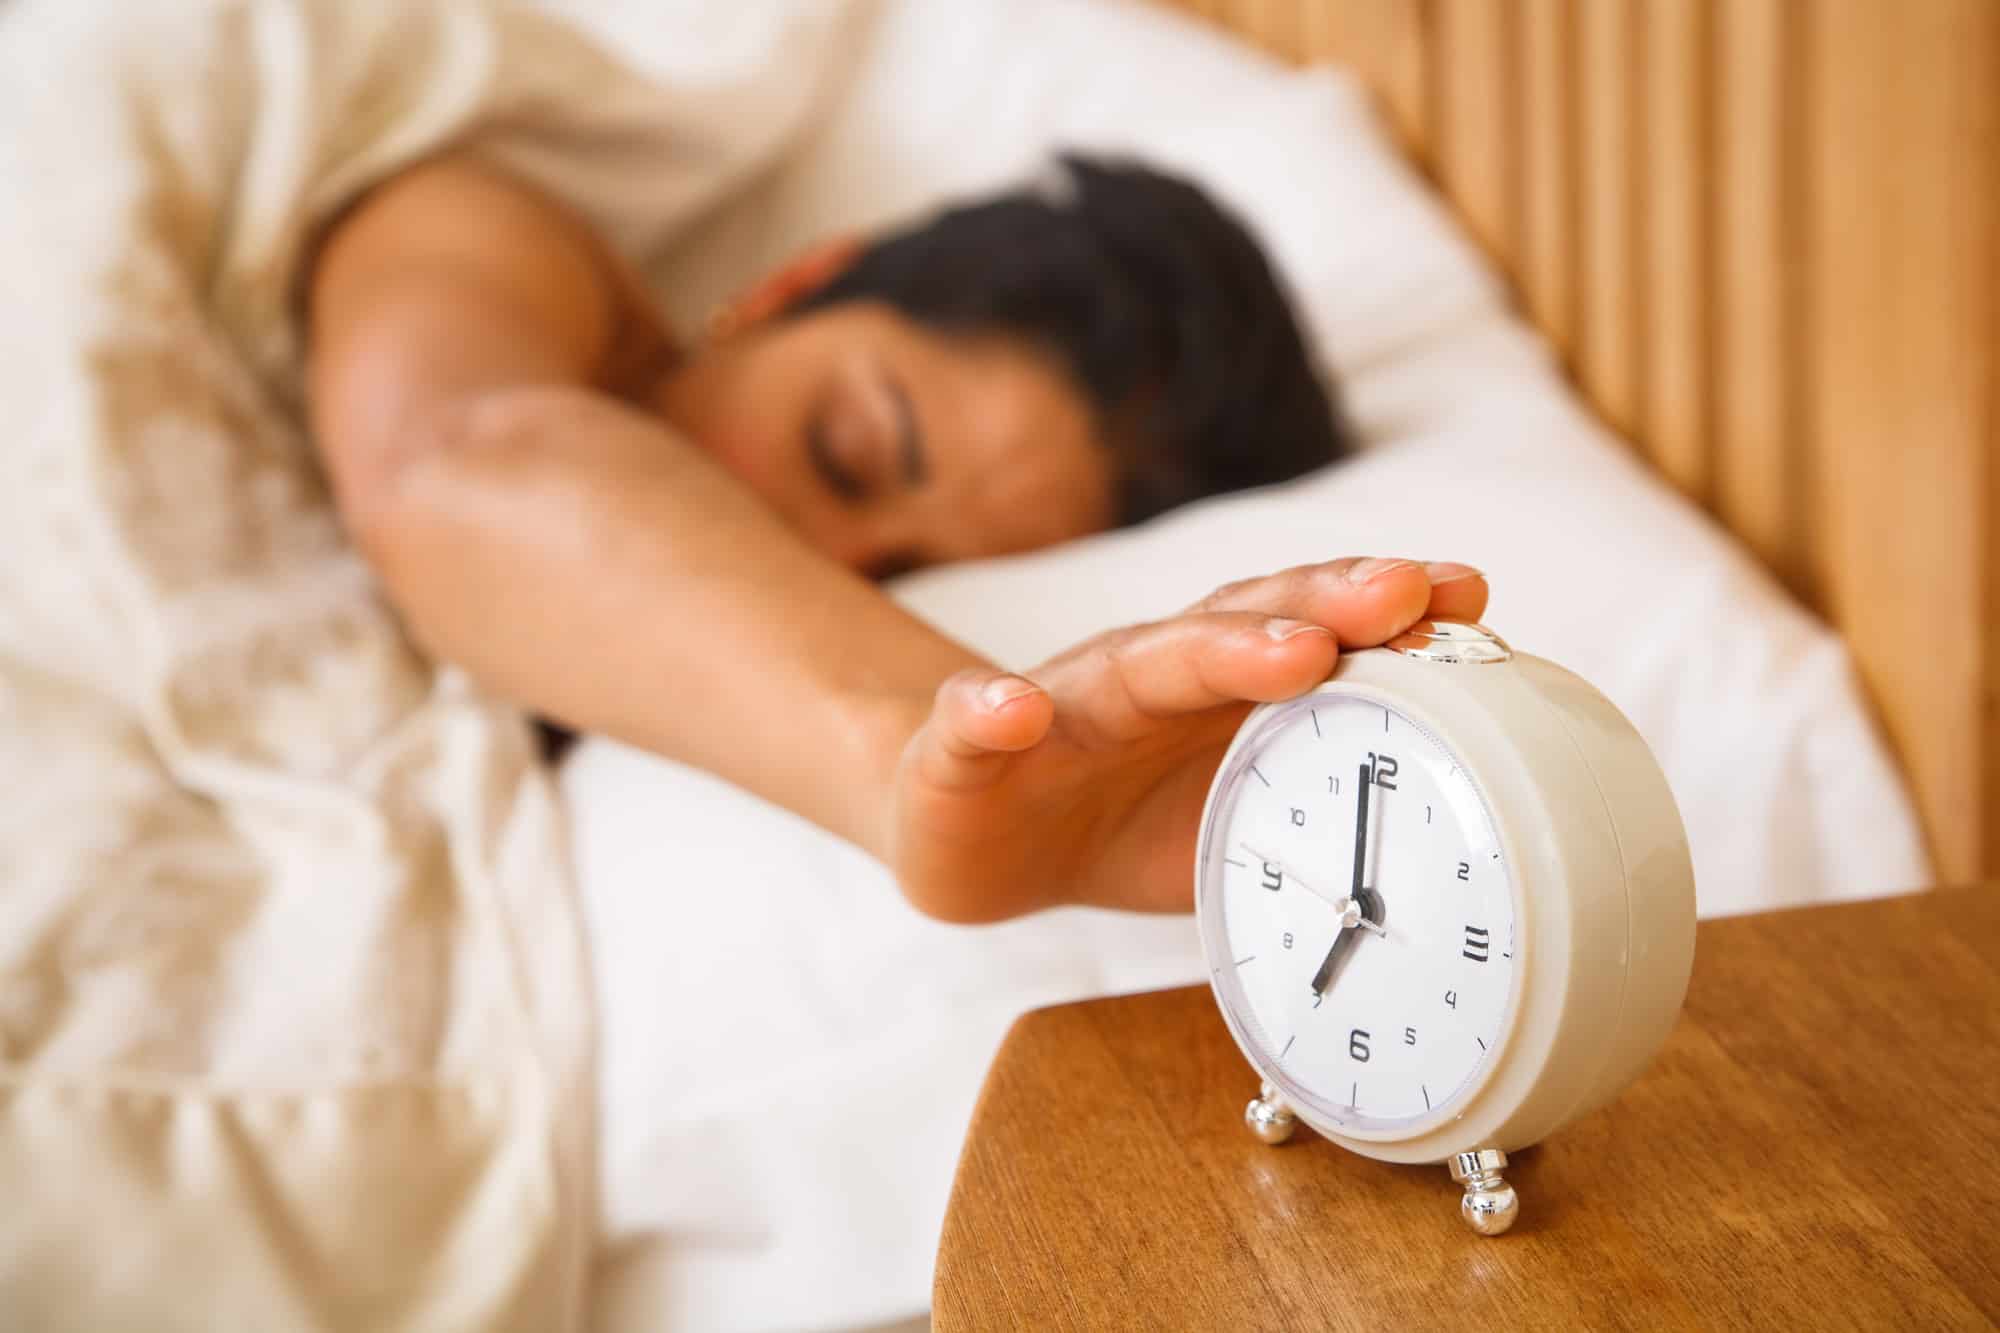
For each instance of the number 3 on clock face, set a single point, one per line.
(1368, 911)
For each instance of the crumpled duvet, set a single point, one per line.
(293, 1010)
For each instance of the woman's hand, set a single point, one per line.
(1083, 782)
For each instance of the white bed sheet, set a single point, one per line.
(789, 1054)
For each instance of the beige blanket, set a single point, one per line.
(293, 1021)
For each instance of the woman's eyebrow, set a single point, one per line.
(910, 436)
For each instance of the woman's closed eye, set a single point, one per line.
(864, 440)
(832, 470)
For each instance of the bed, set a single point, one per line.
(1647, 355)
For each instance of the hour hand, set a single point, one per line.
(1351, 916)
(1331, 963)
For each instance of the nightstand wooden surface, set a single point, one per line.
(1817, 1146)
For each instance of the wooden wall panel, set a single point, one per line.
(1472, 121)
(1545, 259)
(1987, 600)
(1674, 180)
(1611, 241)
(1388, 44)
(1901, 135)
(1761, 479)
(1765, 234)
(1385, 41)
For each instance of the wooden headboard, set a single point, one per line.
(1765, 236)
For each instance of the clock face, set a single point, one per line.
(1358, 913)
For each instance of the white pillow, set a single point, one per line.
(1750, 704)
(790, 1055)
(957, 99)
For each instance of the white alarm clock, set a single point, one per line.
(1446, 904)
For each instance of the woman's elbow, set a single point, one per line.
(391, 482)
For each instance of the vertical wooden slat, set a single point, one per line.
(1608, 352)
(1384, 41)
(1274, 24)
(1986, 144)
(1473, 137)
(1758, 482)
(1387, 41)
(1547, 264)
(1674, 187)
(1903, 174)
(1319, 29)
(1405, 69)
(1989, 598)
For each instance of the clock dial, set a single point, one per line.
(1354, 872)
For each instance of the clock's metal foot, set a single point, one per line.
(1268, 1116)
(1489, 1206)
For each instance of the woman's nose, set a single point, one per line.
(883, 541)
(857, 546)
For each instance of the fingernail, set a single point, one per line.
(1281, 630)
(1450, 571)
(1003, 690)
(1374, 567)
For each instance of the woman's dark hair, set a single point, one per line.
(1158, 302)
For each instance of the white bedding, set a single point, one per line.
(294, 1023)
(790, 1055)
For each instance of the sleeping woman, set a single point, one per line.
(679, 545)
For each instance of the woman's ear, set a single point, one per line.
(784, 287)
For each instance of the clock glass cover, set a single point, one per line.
(1359, 913)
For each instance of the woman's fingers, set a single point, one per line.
(1117, 687)
(1364, 601)
(1262, 639)
(1123, 685)
(980, 718)
(1458, 592)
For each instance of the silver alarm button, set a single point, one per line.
(1456, 641)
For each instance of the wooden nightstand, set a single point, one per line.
(1818, 1144)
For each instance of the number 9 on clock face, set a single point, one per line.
(1353, 868)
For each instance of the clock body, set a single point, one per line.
(1516, 942)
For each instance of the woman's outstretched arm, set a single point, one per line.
(572, 552)
(575, 555)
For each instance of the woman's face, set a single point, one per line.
(889, 445)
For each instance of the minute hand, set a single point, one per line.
(1361, 832)
(1345, 939)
